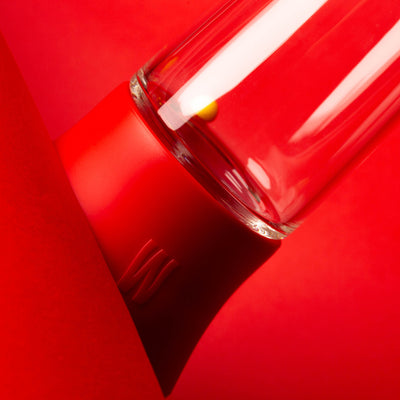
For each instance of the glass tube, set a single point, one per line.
(268, 101)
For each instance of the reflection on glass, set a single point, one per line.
(270, 100)
(261, 37)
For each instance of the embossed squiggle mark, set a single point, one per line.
(146, 273)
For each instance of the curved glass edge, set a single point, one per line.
(183, 154)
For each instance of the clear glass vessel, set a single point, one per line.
(268, 101)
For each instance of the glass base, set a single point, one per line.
(211, 167)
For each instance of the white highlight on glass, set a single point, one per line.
(374, 64)
(238, 58)
(258, 173)
(233, 181)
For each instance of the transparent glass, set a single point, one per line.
(268, 101)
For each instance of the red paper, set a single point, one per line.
(65, 331)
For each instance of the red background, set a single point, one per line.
(321, 320)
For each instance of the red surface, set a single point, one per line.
(65, 332)
(321, 319)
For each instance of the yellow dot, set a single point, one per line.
(169, 64)
(209, 112)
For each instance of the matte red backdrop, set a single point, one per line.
(321, 320)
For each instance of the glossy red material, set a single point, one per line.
(174, 251)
